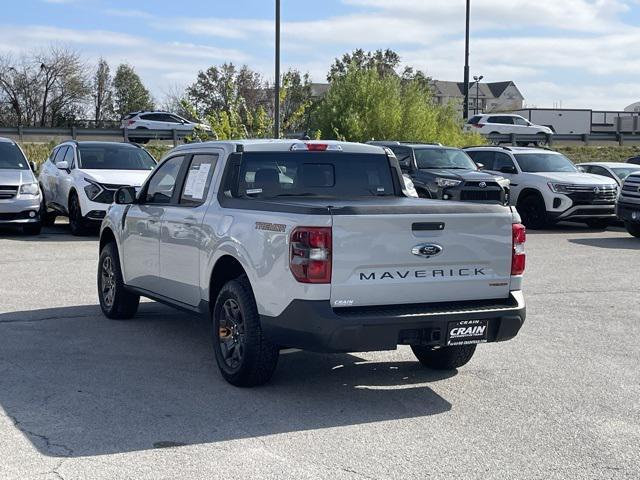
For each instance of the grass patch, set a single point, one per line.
(595, 153)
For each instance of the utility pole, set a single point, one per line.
(466, 64)
(276, 123)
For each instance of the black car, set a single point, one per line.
(447, 173)
(634, 160)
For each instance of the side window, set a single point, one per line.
(503, 160)
(68, 157)
(600, 171)
(403, 154)
(59, 155)
(485, 158)
(172, 119)
(494, 120)
(198, 179)
(521, 122)
(163, 183)
(154, 117)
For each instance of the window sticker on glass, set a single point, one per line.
(188, 187)
(200, 182)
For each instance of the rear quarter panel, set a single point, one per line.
(259, 240)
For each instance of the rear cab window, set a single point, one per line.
(311, 174)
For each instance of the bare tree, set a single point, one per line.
(64, 84)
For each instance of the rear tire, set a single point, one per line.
(76, 221)
(32, 228)
(533, 212)
(542, 143)
(633, 228)
(115, 300)
(244, 356)
(598, 223)
(444, 358)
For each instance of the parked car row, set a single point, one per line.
(79, 179)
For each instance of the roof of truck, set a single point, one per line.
(273, 145)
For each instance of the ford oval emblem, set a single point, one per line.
(427, 250)
(482, 184)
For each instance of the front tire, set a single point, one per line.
(533, 212)
(244, 356)
(598, 223)
(444, 358)
(115, 300)
(32, 228)
(76, 220)
(633, 228)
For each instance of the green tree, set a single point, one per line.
(385, 62)
(102, 92)
(367, 103)
(295, 101)
(130, 94)
(225, 87)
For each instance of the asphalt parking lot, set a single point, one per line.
(85, 397)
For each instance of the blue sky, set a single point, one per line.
(580, 53)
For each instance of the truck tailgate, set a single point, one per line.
(391, 259)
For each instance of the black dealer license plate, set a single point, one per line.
(467, 332)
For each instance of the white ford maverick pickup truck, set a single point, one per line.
(313, 245)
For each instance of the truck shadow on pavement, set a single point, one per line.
(614, 243)
(77, 384)
(58, 232)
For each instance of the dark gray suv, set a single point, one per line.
(447, 173)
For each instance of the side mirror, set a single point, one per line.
(63, 165)
(125, 196)
(506, 169)
(581, 169)
(33, 167)
(480, 165)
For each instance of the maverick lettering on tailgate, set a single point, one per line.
(434, 273)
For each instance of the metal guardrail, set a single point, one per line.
(549, 139)
(124, 134)
(118, 134)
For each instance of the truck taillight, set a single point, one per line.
(310, 254)
(518, 257)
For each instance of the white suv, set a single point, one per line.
(79, 179)
(546, 187)
(503, 123)
(158, 121)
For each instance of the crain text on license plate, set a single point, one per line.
(467, 332)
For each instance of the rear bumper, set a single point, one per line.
(314, 325)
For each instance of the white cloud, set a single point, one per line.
(555, 50)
